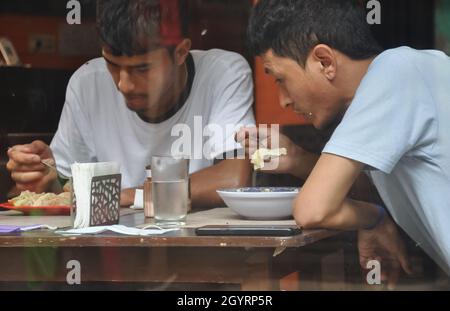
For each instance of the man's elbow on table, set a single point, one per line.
(311, 214)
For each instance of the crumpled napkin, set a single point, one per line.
(13, 229)
(121, 229)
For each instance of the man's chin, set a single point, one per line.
(319, 126)
(328, 125)
(136, 106)
(142, 111)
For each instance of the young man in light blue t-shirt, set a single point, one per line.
(395, 126)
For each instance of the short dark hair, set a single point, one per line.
(292, 28)
(134, 27)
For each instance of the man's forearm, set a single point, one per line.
(323, 201)
(204, 183)
(303, 162)
(351, 215)
(362, 190)
(226, 174)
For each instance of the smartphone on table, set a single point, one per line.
(248, 230)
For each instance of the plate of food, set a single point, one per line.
(260, 203)
(31, 203)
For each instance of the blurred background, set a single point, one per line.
(49, 50)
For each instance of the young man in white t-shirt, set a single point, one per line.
(393, 109)
(147, 94)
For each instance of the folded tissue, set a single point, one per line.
(96, 189)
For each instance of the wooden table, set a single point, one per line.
(310, 260)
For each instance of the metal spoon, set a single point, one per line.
(48, 165)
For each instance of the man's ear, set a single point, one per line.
(182, 51)
(324, 57)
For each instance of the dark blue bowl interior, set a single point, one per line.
(261, 189)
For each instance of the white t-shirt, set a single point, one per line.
(399, 126)
(97, 126)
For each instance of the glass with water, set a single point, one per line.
(170, 190)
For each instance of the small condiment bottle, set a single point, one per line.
(148, 203)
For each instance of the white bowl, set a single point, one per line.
(269, 203)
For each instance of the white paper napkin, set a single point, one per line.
(121, 229)
(11, 228)
(82, 174)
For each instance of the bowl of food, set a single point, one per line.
(260, 203)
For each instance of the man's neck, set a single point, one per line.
(352, 73)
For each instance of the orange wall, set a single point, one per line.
(18, 29)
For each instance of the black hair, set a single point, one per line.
(292, 28)
(133, 27)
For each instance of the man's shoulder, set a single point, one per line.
(91, 69)
(91, 80)
(218, 60)
(406, 58)
(395, 58)
(393, 67)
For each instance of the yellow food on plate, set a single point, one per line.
(28, 198)
(261, 154)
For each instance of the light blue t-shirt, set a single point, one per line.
(398, 124)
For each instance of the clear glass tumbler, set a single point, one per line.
(170, 190)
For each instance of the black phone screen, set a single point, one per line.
(248, 230)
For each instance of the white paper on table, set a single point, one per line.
(82, 174)
(121, 229)
(35, 227)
